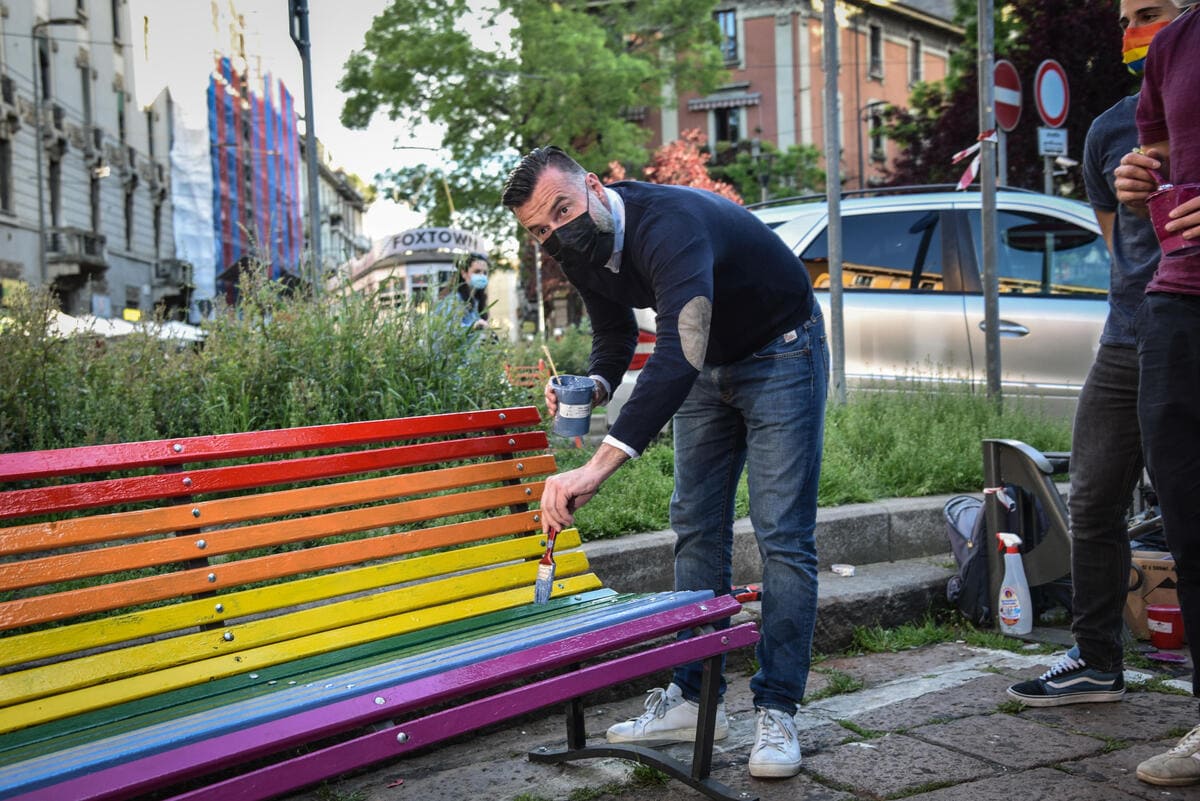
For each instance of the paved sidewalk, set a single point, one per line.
(931, 723)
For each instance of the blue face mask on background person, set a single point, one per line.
(581, 243)
(479, 282)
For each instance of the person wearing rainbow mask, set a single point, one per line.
(1106, 446)
(1168, 116)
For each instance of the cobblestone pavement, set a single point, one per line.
(931, 724)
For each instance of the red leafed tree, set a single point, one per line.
(682, 163)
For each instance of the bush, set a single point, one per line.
(274, 361)
(570, 351)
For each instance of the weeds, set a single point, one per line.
(1010, 706)
(838, 683)
(861, 731)
(931, 631)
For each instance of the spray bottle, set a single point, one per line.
(1015, 606)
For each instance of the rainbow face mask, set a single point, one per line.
(1136, 43)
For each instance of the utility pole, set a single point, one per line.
(987, 167)
(833, 191)
(299, 31)
(35, 48)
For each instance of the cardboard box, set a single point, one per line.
(1157, 571)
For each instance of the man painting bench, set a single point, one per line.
(179, 616)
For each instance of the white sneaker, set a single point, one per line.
(776, 752)
(669, 718)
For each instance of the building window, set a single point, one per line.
(916, 72)
(727, 22)
(44, 67)
(116, 20)
(94, 197)
(121, 115)
(85, 92)
(55, 178)
(157, 227)
(875, 65)
(129, 219)
(875, 131)
(6, 170)
(150, 132)
(728, 124)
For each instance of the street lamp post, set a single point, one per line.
(300, 36)
(35, 48)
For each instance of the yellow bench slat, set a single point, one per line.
(132, 688)
(110, 665)
(108, 631)
(202, 580)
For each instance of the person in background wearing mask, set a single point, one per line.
(1106, 445)
(741, 362)
(472, 289)
(1168, 325)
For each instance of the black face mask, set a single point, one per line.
(580, 243)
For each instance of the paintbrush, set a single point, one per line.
(545, 574)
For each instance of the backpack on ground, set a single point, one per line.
(966, 529)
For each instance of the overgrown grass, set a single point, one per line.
(274, 361)
(921, 440)
(933, 630)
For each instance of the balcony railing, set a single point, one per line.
(75, 246)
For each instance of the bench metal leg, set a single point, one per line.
(696, 777)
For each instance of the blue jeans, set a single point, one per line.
(765, 412)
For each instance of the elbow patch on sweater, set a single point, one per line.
(694, 320)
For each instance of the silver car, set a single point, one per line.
(913, 299)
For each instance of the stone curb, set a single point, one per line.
(898, 548)
(854, 534)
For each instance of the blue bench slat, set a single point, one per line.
(173, 733)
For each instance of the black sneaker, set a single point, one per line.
(1070, 682)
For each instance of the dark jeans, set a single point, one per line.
(1169, 410)
(1106, 459)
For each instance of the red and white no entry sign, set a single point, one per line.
(1052, 93)
(1008, 94)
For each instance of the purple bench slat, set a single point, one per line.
(311, 768)
(187, 761)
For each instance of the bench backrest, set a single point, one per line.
(133, 568)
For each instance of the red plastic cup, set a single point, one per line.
(1162, 203)
(1166, 626)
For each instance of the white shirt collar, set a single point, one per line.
(618, 214)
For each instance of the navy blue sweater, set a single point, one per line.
(682, 243)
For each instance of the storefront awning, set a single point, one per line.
(725, 101)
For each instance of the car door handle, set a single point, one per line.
(1007, 328)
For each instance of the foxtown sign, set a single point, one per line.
(425, 241)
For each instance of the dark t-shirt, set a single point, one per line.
(1135, 247)
(683, 243)
(1169, 109)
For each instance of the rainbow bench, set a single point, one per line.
(243, 615)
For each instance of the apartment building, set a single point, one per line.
(100, 173)
(774, 52)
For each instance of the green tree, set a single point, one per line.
(790, 172)
(942, 118)
(570, 73)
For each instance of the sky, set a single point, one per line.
(179, 43)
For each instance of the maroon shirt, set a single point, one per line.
(1169, 108)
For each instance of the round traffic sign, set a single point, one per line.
(1007, 87)
(1052, 93)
